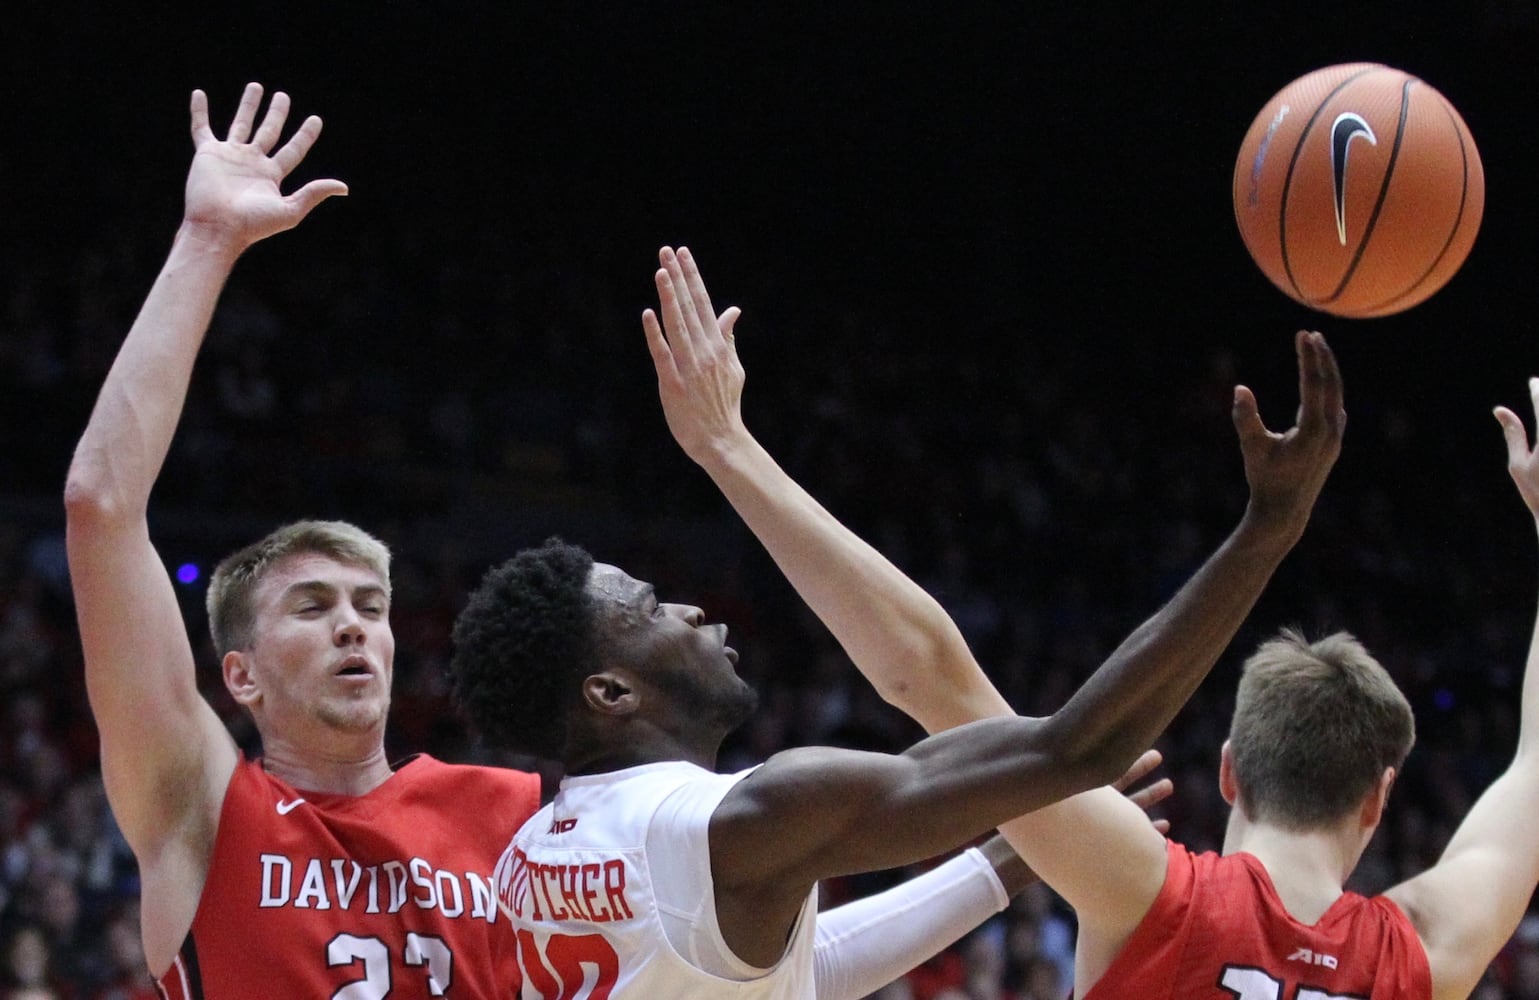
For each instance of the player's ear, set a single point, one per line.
(1377, 798)
(610, 692)
(239, 678)
(1228, 787)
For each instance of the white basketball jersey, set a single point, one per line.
(580, 885)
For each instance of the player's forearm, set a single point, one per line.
(130, 430)
(897, 634)
(1135, 694)
(865, 812)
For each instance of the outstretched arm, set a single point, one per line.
(866, 944)
(166, 757)
(1467, 905)
(880, 616)
(903, 641)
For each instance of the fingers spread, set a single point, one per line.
(201, 132)
(727, 321)
(272, 122)
(245, 113)
(1515, 433)
(1247, 418)
(291, 153)
(1148, 798)
(1146, 762)
(313, 193)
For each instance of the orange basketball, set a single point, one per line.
(1358, 190)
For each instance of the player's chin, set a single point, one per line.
(739, 705)
(355, 716)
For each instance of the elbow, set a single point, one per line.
(935, 668)
(89, 501)
(1089, 760)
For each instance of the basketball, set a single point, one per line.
(1358, 190)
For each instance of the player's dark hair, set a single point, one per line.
(521, 646)
(1315, 725)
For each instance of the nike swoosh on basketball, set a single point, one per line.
(1348, 126)
(284, 808)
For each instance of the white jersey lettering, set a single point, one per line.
(345, 890)
(313, 888)
(422, 877)
(272, 864)
(416, 881)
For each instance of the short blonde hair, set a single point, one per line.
(231, 615)
(1315, 725)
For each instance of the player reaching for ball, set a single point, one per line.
(321, 868)
(661, 878)
(1318, 734)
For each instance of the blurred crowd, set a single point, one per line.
(461, 395)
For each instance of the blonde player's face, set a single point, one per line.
(323, 650)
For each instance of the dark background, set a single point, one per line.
(994, 304)
(991, 185)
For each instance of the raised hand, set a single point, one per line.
(233, 195)
(1287, 470)
(1522, 460)
(699, 376)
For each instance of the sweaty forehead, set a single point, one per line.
(615, 592)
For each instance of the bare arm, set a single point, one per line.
(903, 641)
(166, 756)
(864, 945)
(878, 614)
(813, 813)
(1467, 905)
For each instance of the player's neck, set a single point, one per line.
(642, 745)
(1307, 868)
(349, 770)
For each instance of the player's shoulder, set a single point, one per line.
(469, 778)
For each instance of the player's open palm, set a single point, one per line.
(1522, 460)
(233, 188)
(699, 376)
(1287, 470)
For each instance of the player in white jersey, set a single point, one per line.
(649, 875)
(859, 947)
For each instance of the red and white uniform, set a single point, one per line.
(1218, 931)
(609, 889)
(312, 895)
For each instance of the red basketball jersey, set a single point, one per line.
(1218, 931)
(312, 895)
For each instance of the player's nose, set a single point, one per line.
(688, 612)
(349, 626)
